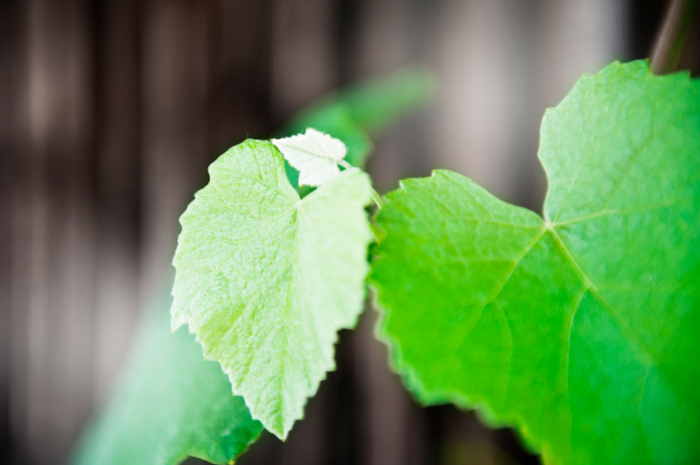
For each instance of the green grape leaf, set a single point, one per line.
(171, 404)
(334, 118)
(266, 279)
(316, 155)
(581, 329)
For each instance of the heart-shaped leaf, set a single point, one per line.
(266, 279)
(583, 328)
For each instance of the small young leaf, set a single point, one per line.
(582, 329)
(266, 279)
(333, 119)
(172, 404)
(368, 107)
(316, 155)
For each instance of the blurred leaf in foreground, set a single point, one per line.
(171, 404)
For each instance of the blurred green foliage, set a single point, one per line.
(171, 404)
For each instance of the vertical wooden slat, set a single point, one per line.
(10, 59)
(392, 422)
(304, 53)
(383, 44)
(72, 267)
(174, 139)
(118, 186)
(473, 130)
(32, 370)
(241, 96)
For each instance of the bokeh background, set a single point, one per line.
(111, 110)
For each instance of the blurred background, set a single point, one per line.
(110, 112)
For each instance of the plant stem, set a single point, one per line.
(378, 200)
(669, 42)
(375, 195)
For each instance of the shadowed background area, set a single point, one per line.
(110, 112)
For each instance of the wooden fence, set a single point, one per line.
(111, 110)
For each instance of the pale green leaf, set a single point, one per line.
(314, 154)
(582, 329)
(171, 404)
(266, 280)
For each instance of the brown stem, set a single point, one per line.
(669, 43)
